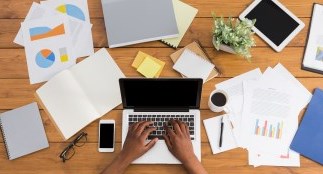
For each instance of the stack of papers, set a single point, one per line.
(147, 65)
(263, 110)
(54, 34)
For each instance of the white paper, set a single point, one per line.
(193, 66)
(78, 13)
(274, 99)
(36, 11)
(269, 108)
(83, 44)
(77, 9)
(291, 159)
(234, 88)
(213, 128)
(67, 104)
(313, 56)
(49, 54)
(280, 75)
(80, 30)
(99, 77)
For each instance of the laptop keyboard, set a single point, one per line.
(160, 120)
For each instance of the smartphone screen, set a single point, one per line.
(106, 135)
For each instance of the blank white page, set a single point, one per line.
(67, 104)
(98, 76)
(193, 66)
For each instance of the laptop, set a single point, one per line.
(160, 100)
(130, 22)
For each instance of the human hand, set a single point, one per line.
(135, 145)
(179, 142)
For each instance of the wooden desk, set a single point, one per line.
(16, 91)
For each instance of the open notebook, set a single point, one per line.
(77, 96)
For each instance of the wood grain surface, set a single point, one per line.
(16, 91)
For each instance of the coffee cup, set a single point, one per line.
(218, 101)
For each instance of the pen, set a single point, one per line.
(221, 132)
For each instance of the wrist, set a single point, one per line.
(189, 161)
(124, 159)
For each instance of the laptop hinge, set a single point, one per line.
(161, 110)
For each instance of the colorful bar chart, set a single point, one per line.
(268, 129)
(63, 55)
(319, 54)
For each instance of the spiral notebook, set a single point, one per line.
(197, 49)
(184, 15)
(23, 131)
(192, 65)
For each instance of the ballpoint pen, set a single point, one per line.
(221, 133)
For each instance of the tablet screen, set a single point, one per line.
(272, 21)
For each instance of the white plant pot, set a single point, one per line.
(225, 48)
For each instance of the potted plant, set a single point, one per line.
(233, 36)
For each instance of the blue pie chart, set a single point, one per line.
(45, 58)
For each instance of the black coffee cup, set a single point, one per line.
(218, 100)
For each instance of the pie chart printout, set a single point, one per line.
(45, 58)
(71, 10)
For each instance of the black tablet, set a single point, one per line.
(274, 22)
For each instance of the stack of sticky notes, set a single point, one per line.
(147, 65)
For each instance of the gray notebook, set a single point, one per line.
(23, 131)
(135, 21)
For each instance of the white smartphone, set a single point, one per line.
(106, 135)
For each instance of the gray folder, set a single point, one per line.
(135, 21)
(23, 131)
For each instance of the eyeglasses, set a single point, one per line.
(69, 151)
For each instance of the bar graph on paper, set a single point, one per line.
(269, 129)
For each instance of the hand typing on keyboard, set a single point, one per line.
(178, 140)
(160, 120)
(135, 144)
(177, 137)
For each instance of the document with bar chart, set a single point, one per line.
(268, 122)
(269, 129)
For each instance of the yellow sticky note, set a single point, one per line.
(141, 57)
(149, 67)
(161, 63)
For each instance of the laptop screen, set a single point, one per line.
(161, 93)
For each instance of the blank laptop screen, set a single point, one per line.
(161, 93)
